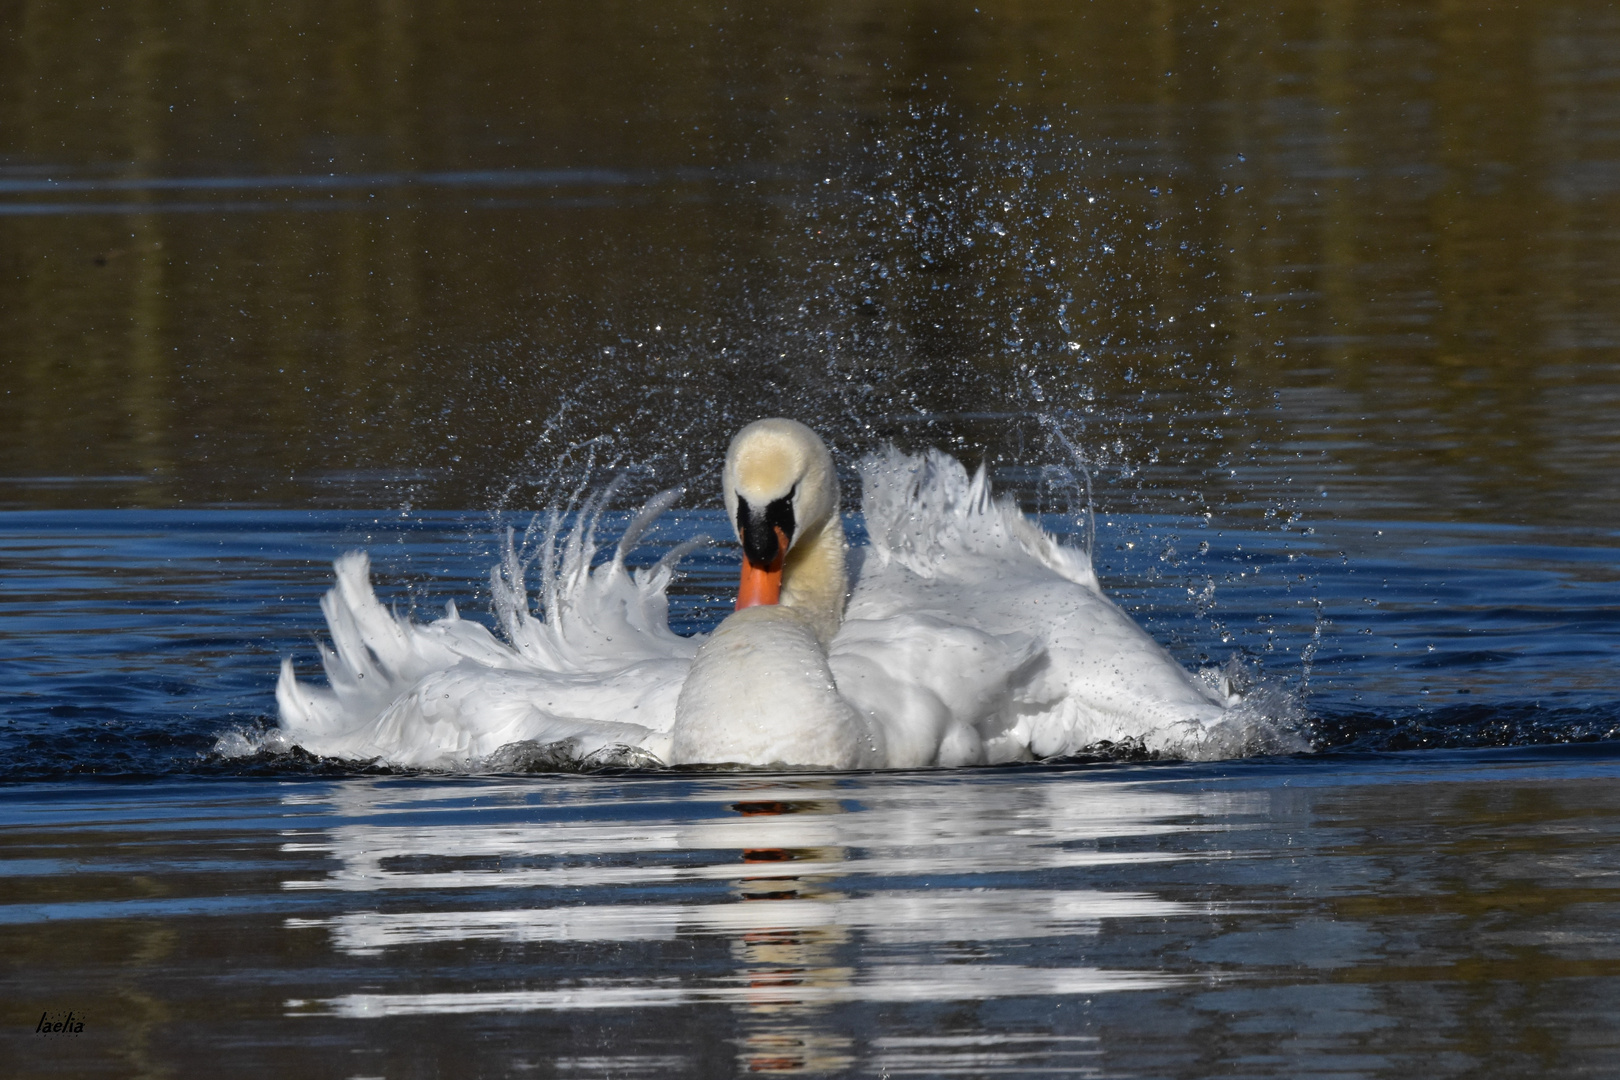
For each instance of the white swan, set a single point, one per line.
(761, 689)
(969, 636)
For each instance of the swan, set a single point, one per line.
(761, 689)
(962, 634)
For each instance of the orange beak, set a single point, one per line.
(762, 584)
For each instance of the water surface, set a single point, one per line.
(140, 639)
(1427, 914)
(289, 254)
(1322, 294)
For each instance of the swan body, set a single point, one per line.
(761, 692)
(965, 635)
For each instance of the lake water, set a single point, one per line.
(1399, 902)
(1410, 914)
(1324, 294)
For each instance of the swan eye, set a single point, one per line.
(780, 515)
(758, 528)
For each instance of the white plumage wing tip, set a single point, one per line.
(924, 511)
(599, 665)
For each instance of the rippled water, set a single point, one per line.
(1354, 910)
(138, 639)
(411, 255)
(1432, 914)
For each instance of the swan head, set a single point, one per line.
(780, 486)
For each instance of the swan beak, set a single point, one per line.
(763, 584)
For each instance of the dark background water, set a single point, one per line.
(286, 253)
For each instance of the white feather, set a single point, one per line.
(970, 636)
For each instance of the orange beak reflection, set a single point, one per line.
(762, 584)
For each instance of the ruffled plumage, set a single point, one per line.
(970, 636)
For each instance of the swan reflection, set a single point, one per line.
(826, 891)
(787, 957)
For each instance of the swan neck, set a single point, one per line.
(814, 581)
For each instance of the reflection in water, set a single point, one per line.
(1284, 918)
(977, 1055)
(816, 910)
(786, 959)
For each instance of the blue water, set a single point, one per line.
(1432, 890)
(136, 640)
(1443, 913)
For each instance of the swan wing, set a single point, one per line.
(936, 692)
(375, 654)
(463, 714)
(1072, 670)
(600, 668)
